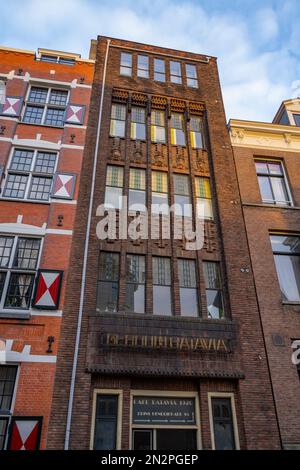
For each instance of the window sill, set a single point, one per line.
(40, 125)
(15, 314)
(291, 302)
(30, 201)
(270, 206)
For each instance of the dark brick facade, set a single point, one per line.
(244, 371)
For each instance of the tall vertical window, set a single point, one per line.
(18, 264)
(117, 120)
(182, 197)
(30, 175)
(46, 106)
(223, 423)
(203, 197)
(191, 75)
(105, 437)
(114, 187)
(158, 131)
(196, 132)
(126, 64)
(159, 192)
(143, 66)
(188, 288)
(137, 189)
(286, 250)
(272, 183)
(177, 129)
(135, 283)
(108, 282)
(175, 72)
(159, 70)
(138, 123)
(7, 385)
(162, 304)
(214, 297)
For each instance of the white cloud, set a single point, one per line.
(256, 69)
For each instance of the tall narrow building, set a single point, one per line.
(161, 344)
(267, 158)
(44, 101)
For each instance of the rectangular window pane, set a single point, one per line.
(45, 162)
(118, 112)
(126, 64)
(138, 127)
(6, 244)
(161, 271)
(143, 66)
(159, 182)
(27, 252)
(202, 186)
(183, 207)
(136, 200)
(40, 188)
(21, 160)
(19, 291)
(162, 300)
(188, 302)
(38, 95)
(214, 296)
(285, 243)
(55, 117)
(7, 384)
(15, 186)
(181, 185)
(159, 70)
(279, 190)
(211, 275)
(108, 285)
(113, 197)
(109, 266)
(158, 118)
(191, 75)
(58, 97)
(135, 280)
(48, 58)
(196, 132)
(175, 72)
(33, 114)
(135, 269)
(296, 118)
(3, 431)
(2, 282)
(137, 178)
(114, 176)
(288, 271)
(105, 437)
(187, 273)
(223, 424)
(265, 189)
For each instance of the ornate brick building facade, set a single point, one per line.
(169, 350)
(268, 166)
(44, 100)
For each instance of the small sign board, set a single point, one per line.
(163, 410)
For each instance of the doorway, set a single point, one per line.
(164, 439)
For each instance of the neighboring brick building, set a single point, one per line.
(267, 159)
(43, 114)
(171, 353)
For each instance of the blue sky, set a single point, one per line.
(256, 42)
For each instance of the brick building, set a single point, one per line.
(169, 351)
(268, 167)
(44, 101)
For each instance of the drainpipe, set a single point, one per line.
(86, 249)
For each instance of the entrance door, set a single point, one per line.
(164, 439)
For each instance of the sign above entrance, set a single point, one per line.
(163, 410)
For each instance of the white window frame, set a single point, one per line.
(30, 173)
(234, 417)
(160, 393)
(108, 391)
(9, 269)
(290, 202)
(191, 78)
(45, 105)
(13, 401)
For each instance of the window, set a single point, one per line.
(284, 119)
(158, 131)
(224, 438)
(30, 175)
(196, 132)
(286, 250)
(105, 437)
(160, 192)
(126, 64)
(214, 297)
(182, 196)
(188, 288)
(191, 75)
(175, 72)
(159, 70)
(135, 283)
(137, 190)
(272, 183)
(114, 187)
(143, 66)
(57, 60)
(203, 197)
(138, 123)
(18, 263)
(117, 120)
(46, 106)
(177, 132)
(162, 304)
(108, 283)
(2, 91)
(296, 119)
(7, 385)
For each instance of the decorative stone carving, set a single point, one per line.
(116, 149)
(210, 237)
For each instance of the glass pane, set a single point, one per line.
(21, 160)
(117, 128)
(183, 206)
(211, 275)
(136, 200)
(33, 114)
(176, 439)
(288, 271)
(2, 281)
(265, 189)
(177, 120)
(195, 124)
(161, 271)
(223, 425)
(279, 190)
(106, 422)
(15, 186)
(138, 115)
(143, 66)
(55, 117)
(7, 383)
(189, 302)
(285, 243)
(214, 303)
(158, 134)
(261, 167)
(45, 162)
(114, 176)
(126, 59)
(142, 439)
(191, 82)
(159, 181)
(113, 198)
(296, 118)
(187, 273)
(38, 95)
(118, 112)
(58, 97)
(275, 168)
(40, 188)
(162, 300)
(3, 430)
(204, 208)
(202, 186)
(135, 298)
(191, 71)
(158, 118)
(160, 204)
(6, 244)
(107, 296)
(27, 252)
(19, 291)
(137, 178)
(109, 266)
(159, 65)
(181, 185)
(135, 269)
